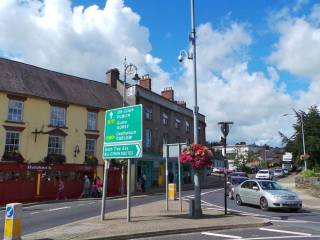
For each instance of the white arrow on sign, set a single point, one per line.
(138, 149)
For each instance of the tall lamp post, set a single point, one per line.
(302, 133)
(225, 127)
(191, 55)
(128, 69)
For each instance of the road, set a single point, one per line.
(44, 216)
(285, 225)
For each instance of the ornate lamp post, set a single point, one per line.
(128, 69)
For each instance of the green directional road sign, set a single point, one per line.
(123, 132)
(123, 151)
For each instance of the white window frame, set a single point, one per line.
(12, 146)
(55, 116)
(187, 126)
(16, 112)
(56, 150)
(177, 123)
(92, 116)
(165, 119)
(90, 150)
(148, 113)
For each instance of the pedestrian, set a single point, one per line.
(60, 189)
(99, 186)
(86, 187)
(143, 182)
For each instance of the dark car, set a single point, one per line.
(239, 174)
(232, 183)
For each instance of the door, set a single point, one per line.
(243, 191)
(254, 193)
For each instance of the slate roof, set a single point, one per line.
(27, 80)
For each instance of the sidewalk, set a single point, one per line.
(147, 220)
(308, 200)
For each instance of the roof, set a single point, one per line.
(27, 80)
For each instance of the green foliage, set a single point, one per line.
(12, 156)
(311, 122)
(242, 159)
(91, 160)
(308, 173)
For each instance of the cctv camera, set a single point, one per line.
(180, 58)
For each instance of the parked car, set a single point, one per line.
(267, 194)
(217, 170)
(239, 174)
(264, 174)
(278, 172)
(232, 183)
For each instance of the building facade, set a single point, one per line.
(164, 121)
(47, 118)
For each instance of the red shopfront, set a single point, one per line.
(37, 182)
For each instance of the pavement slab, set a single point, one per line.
(147, 220)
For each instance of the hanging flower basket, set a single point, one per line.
(91, 160)
(12, 156)
(197, 155)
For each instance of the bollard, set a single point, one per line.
(191, 208)
(172, 191)
(12, 227)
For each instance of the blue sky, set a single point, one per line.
(256, 60)
(169, 25)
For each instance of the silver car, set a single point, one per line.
(267, 194)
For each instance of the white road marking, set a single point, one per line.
(284, 231)
(34, 213)
(281, 237)
(56, 209)
(221, 235)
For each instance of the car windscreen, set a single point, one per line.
(264, 171)
(270, 185)
(278, 170)
(237, 181)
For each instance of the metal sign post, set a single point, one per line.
(105, 188)
(123, 139)
(173, 151)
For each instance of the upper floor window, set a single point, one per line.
(165, 138)
(148, 138)
(177, 123)
(55, 145)
(12, 141)
(148, 113)
(165, 119)
(92, 123)
(91, 147)
(187, 126)
(15, 110)
(58, 116)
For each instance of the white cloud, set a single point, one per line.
(228, 91)
(79, 41)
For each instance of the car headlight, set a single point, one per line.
(277, 197)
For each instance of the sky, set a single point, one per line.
(256, 60)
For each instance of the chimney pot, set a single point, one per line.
(145, 82)
(168, 93)
(112, 77)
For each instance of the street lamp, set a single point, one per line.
(192, 56)
(302, 133)
(225, 127)
(128, 69)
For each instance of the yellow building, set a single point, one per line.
(48, 117)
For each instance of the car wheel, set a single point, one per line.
(230, 195)
(264, 204)
(238, 200)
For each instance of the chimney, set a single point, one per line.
(145, 82)
(112, 77)
(168, 93)
(182, 103)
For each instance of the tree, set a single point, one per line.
(243, 158)
(311, 122)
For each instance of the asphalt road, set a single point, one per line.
(304, 224)
(44, 216)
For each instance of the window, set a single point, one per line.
(58, 116)
(246, 184)
(177, 123)
(187, 126)
(92, 121)
(90, 147)
(12, 141)
(148, 138)
(148, 113)
(165, 119)
(15, 110)
(56, 145)
(165, 138)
